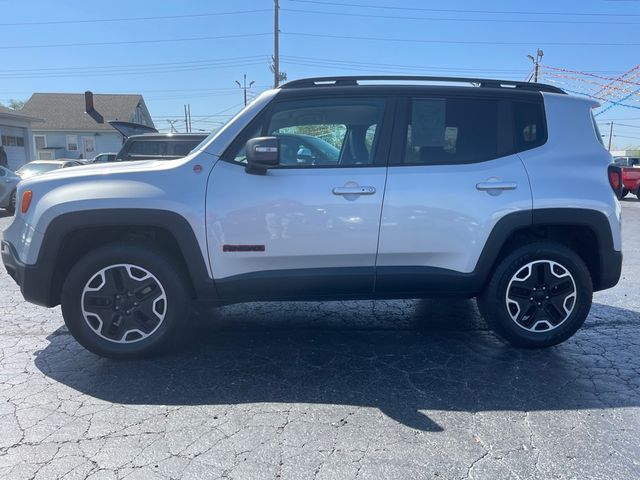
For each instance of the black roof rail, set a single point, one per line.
(481, 82)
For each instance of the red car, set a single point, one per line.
(630, 175)
(631, 181)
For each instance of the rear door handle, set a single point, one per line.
(354, 190)
(483, 186)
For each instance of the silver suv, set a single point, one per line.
(337, 188)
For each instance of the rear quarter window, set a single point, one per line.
(530, 126)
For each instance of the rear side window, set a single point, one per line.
(183, 148)
(148, 148)
(530, 129)
(451, 131)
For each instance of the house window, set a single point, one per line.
(12, 141)
(72, 143)
(41, 141)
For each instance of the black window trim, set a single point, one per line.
(382, 145)
(506, 141)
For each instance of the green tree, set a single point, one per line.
(14, 104)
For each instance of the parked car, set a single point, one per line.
(8, 185)
(627, 161)
(102, 158)
(159, 146)
(38, 167)
(438, 189)
(631, 181)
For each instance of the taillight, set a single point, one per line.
(27, 195)
(615, 179)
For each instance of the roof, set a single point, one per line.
(475, 82)
(66, 111)
(169, 136)
(17, 114)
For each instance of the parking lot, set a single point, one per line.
(387, 389)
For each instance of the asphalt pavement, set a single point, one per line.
(332, 390)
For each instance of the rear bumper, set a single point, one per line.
(34, 280)
(610, 269)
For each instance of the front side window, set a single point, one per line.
(334, 132)
(451, 131)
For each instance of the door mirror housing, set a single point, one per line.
(262, 153)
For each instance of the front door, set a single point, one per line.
(89, 145)
(310, 226)
(453, 174)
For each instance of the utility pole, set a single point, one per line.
(536, 64)
(610, 135)
(186, 119)
(244, 87)
(276, 46)
(189, 113)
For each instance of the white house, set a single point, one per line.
(69, 132)
(15, 135)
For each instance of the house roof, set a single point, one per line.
(66, 111)
(17, 114)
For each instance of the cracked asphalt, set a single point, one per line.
(334, 390)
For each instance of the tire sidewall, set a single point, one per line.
(495, 303)
(155, 262)
(11, 207)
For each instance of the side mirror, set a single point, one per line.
(304, 155)
(262, 153)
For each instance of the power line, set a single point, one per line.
(136, 42)
(443, 19)
(134, 71)
(462, 42)
(491, 12)
(130, 65)
(131, 19)
(311, 61)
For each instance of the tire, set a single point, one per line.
(11, 208)
(561, 300)
(625, 192)
(125, 300)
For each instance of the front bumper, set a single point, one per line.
(34, 280)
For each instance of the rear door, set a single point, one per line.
(453, 175)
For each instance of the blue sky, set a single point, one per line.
(230, 38)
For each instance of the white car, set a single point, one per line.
(498, 190)
(38, 167)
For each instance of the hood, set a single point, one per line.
(92, 170)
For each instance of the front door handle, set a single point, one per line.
(354, 190)
(483, 186)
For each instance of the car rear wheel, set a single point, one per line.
(125, 301)
(539, 295)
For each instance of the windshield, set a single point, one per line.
(31, 169)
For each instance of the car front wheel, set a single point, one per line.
(539, 295)
(125, 301)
